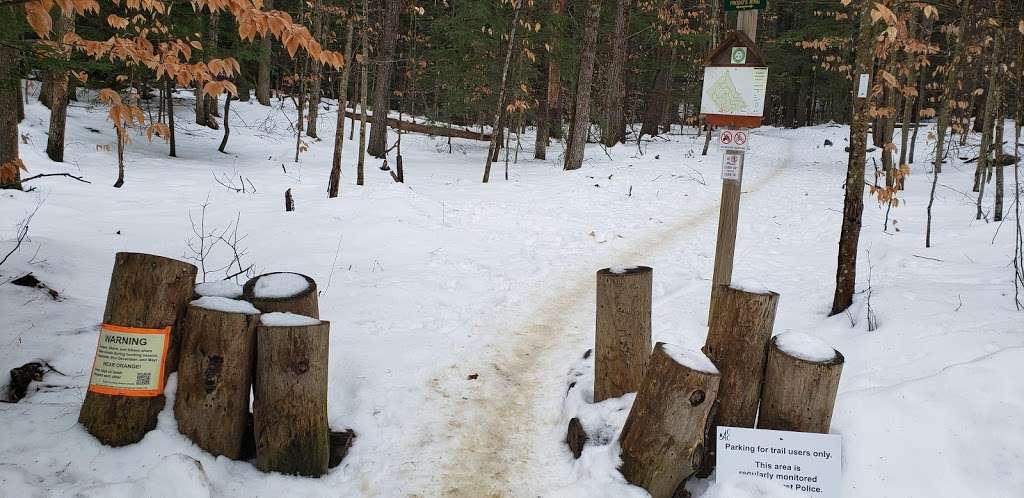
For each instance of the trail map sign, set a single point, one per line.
(735, 83)
(809, 463)
(734, 91)
(733, 5)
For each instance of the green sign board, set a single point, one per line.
(738, 55)
(732, 5)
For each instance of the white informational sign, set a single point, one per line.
(733, 140)
(808, 463)
(862, 87)
(732, 165)
(734, 91)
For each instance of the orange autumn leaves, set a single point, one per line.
(170, 57)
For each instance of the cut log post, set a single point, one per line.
(737, 342)
(663, 438)
(290, 405)
(623, 337)
(215, 376)
(302, 302)
(146, 292)
(289, 201)
(800, 384)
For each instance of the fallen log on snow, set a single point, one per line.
(427, 129)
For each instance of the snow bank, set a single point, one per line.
(220, 288)
(805, 347)
(278, 285)
(226, 305)
(691, 358)
(287, 320)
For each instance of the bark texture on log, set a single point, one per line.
(737, 343)
(303, 303)
(663, 438)
(798, 394)
(290, 405)
(146, 291)
(214, 379)
(623, 338)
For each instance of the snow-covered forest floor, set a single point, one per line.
(459, 309)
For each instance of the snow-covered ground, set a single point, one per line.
(459, 311)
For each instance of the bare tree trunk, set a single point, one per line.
(659, 93)
(169, 90)
(554, 97)
(59, 96)
(540, 144)
(363, 88)
(315, 74)
(227, 127)
(334, 183)
(613, 125)
(263, 71)
(10, 83)
(991, 101)
(495, 134)
(853, 203)
(581, 112)
(382, 80)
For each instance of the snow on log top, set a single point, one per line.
(750, 286)
(279, 285)
(226, 305)
(690, 358)
(805, 347)
(618, 270)
(220, 288)
(279, 319)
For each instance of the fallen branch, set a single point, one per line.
(43, 175)
(428, 129)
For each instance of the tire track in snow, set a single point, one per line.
(502, 426)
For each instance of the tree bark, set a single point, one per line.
(10, 83)
(304, 303)
(659, 94)
(853, 202)
(315, 75)
(739, 329)
(334, 183)
(581, 112)
(59, 96)
(798, 394)
(623, 338)
(218, 353)
(363, 88)
(382, 80)
(290, 399)
(146, 291)
(991, 102)
(613, 125)
(227, 127)
(554, 94)
(663, 439)
(169, 89)
(263, 70)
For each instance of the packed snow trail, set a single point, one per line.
(504, 422)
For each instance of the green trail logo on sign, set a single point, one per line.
(731, 5)
(738, 55)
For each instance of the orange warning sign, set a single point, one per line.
(130, 361)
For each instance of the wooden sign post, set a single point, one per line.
(735, 78)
